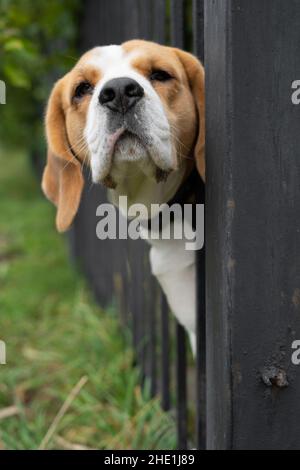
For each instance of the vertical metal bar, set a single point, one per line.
(165, 353)
(158, 35)
(159, 21)
(153, 336)
(198, 34)
(201, 353)
(89, 26)
(181, 387)
(198, 28)
(147, 317)
(129, 12)
(145, 18)
(140, 313)
(121, 284)
(177, 38)
(177, 23)
(131, 301)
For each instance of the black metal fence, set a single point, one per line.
(119, 270)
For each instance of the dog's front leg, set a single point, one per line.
(175, 269)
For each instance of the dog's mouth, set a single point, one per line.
(129, 154)
(129, 147)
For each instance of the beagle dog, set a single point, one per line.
(135, 114)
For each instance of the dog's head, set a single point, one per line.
(139, 105)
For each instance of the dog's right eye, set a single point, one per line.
(84, 88)
(160, 76)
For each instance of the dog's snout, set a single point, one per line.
(121, 94)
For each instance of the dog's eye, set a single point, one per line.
(84, 88)
(160, 76)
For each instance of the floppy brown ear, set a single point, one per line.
(196, 76)
(62, 180)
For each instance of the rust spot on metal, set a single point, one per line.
(274, 377)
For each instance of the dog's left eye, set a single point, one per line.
(160, 76)
(84, 88)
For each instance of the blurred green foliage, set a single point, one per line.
(37, 43)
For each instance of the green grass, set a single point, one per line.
(56, 334)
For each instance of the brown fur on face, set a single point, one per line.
(182, 99)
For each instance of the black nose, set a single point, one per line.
(121, 94)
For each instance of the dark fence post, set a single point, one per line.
(165, 354)
(178, 40)
(159, 21)
(252, 51)
(181, 386)
(198, 30)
